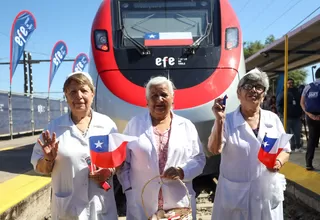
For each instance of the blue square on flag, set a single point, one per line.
(268, 143)
(151, 36)
(99, 144)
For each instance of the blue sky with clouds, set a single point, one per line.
(71, 20)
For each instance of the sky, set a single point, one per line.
(71, 20)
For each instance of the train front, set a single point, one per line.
(196, 43)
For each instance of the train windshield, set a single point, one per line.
(164, 23)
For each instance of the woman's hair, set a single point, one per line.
(81, 78)
(255, 75)
(159, 80)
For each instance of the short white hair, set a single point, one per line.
(255, 75)
(159, 80)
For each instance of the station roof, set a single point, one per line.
(304, 50)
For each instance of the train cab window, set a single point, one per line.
(164, 23)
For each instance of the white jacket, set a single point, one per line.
(74, 195)
(142, 164)
(240, 194)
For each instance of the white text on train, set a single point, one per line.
(163, 61)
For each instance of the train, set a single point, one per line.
(195, 43)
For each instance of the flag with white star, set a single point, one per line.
(168, 39)
(109, 151)
(271, 148)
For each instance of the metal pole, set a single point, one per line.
(31, 91)
(285, 90)
(10, 114)
(312, 68)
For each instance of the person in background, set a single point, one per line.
(310, 103)
(63, 152)
(294, 114)
(169, 147)
(238, 136)
(273, 103)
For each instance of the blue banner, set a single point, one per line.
(80, 62)
(59, 52)
(23, 26)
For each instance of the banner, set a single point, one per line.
(80, 62)
(59, 52)
(23, 26)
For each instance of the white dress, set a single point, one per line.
(74, 195)
(241, 194)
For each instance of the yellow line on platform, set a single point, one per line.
(307, 179)
(19, 188)
(6, 148)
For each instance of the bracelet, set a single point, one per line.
(279, 162)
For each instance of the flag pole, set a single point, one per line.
(91, 164)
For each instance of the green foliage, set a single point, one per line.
(299, 76)
(269, 40)
(250, 48)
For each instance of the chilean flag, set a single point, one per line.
(168, 39)
(109, 151)
(271, 148)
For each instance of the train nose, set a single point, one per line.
(194, 87)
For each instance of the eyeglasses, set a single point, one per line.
(259, 88)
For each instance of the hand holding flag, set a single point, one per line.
(271, 148)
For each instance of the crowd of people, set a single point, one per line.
(167, 146)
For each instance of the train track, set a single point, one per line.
(204, 207)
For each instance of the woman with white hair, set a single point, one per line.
(168, 147)
(244, 188)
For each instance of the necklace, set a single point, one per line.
(85, 131)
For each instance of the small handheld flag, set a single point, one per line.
(109, 151)
(271, 148)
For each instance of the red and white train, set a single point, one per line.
(197, 43)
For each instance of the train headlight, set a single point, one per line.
(101, 40)
(232, 38)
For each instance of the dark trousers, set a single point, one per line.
(294, 126)
(314, 135)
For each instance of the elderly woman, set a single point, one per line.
(238, 137)
(169, 147)
(63, 151)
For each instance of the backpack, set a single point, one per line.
(312, 98)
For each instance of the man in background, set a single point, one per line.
(294, 114)
(310, 103)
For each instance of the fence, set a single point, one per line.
(21, 114)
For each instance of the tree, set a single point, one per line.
(269, 39)
(299, 76)
(250, 48)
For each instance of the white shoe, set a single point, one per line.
(300, 150)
